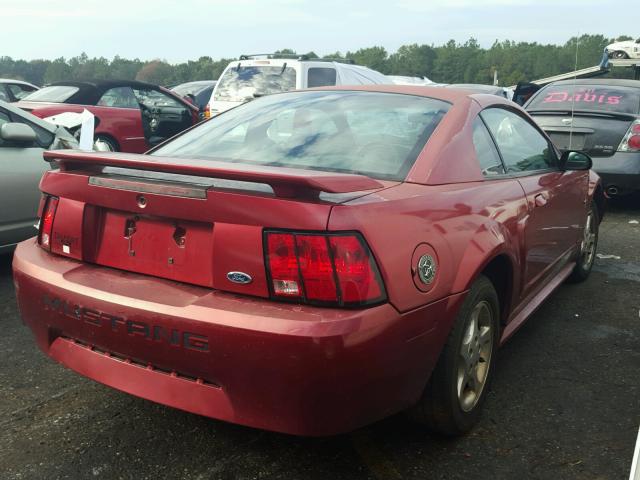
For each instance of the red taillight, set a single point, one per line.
(316, 268)
(354, 267)
(46, 222)
(283, 265)
(634, 142)
(331, 269)
(207, 111)
(631, 141)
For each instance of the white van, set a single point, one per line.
(257, 75)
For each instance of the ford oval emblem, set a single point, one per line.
(239, 277)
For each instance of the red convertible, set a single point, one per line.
(130, 116)
(311, 261)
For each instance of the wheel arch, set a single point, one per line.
(109, 137)
(500, 272)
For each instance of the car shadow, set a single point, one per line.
(625, 203)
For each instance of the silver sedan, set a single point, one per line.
(23, 138)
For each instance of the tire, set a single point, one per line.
(444, 407)
(104, 144)
(588, 247)
(619, 54)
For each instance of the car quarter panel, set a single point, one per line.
(466, 225)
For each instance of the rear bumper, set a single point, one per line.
(288, 368)
(620, 171)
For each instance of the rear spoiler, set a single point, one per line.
(285, 182)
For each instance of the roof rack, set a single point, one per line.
(295, 56)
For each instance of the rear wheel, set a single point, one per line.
(619, 54)
(457, 389)
(588, 247)
(104, 144)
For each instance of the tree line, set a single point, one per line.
(452, 62)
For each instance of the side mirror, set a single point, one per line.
(574, 160)
(17, 133)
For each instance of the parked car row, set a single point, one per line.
(312, 261)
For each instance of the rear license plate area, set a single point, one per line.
(564, 141)
(173, 249)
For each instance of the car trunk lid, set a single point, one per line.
(595, 133)
(184, 220)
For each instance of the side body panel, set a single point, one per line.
(20, 172)
(122, 124)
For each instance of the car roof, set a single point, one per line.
(20, 82)
(103, 84)
(614, 82)
(450, 95)
(32, 118)
(195, 83)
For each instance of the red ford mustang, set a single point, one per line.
(311, 261)
(130, 116)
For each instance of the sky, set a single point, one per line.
(179, 30)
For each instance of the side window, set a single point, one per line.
(523, 148)
(154, 98)
(4, 96)
(488, 157)
(321, 77)
(20, 91)
(121, 97)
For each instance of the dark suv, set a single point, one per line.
(605, 123)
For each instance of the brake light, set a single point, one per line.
(324, 269)
(207, 111)
(46, 222)
(631, 141)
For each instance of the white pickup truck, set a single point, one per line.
(254, 76)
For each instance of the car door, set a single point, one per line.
(121, 118)
(162, 115)
(555, 198)
(21, 167)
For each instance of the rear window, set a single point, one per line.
(55, 94)
(587, 97)
(369, 133)
(239, 84)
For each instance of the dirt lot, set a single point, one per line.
(565, 404)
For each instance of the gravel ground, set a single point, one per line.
(565, 404)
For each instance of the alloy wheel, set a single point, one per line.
(588, 244)
(475, 355)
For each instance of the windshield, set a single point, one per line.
(55, 94)
(604, 98)
(369, 133)
(245, 83)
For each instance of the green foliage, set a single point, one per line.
(452, 62)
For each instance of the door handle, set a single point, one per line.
(540, 199)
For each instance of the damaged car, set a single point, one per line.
(130, 116)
